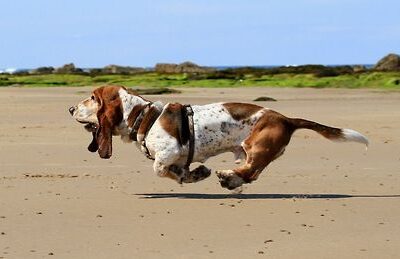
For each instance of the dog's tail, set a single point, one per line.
(331, 133)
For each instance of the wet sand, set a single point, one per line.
(319, 200)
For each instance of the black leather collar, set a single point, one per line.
(188, 115)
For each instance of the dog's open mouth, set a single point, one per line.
(91, 127)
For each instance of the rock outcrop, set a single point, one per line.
(68, 69)
(115, 69)
(359, 68)
(42, 70)
(390, 62)
(185, 67)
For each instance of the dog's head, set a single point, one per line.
(101, 113)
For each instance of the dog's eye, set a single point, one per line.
(92, 97)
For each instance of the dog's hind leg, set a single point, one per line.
(238, 154)
(266, 143)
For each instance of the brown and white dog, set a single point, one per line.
(257, 134)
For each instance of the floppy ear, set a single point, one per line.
(109, 114)
(104, 137)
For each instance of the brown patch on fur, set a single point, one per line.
(268, 139)
(148, 120)
(171, 121)
(136, 110)
(109, 115)
(134, 114)
(269, 136)
(241, 111)
(326, 131)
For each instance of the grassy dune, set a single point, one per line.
(384, 80)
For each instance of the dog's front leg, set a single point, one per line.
(198, 174)
(187, 176)
(163, 170)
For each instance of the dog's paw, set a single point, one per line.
(228, 179)
(196, 175)
(237, 190)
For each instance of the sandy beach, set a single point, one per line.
(319, 200)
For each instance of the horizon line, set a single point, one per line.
(212, 66)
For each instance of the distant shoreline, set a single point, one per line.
(385, 74)
(12, 70)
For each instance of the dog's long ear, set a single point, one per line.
(98, 94)
(109, 114)
(104, 137)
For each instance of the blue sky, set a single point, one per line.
(95, 33)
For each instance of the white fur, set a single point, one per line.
(217, 132)
(85, 111)
(128, 102)
(352, 135)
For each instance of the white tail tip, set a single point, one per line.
(352, 135)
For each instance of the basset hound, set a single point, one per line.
(251, 132)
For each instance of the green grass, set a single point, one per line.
(383, 80)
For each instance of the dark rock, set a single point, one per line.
(42, 70)
(359, 69)
(154, 91)
(165, 68)
(185, 67)
(334, 71)
(68, 69)
(264, 99)
(115, 69)
(390, 62)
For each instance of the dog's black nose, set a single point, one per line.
(71, 110)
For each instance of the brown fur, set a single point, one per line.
(148, 120)
(241, 111)
(326, 131)
(171, 121)
(109, 115)
(268, 139)
(265, 143)
(134, 114)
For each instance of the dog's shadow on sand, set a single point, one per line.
(256, 196)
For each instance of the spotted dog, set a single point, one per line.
(251, 132)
